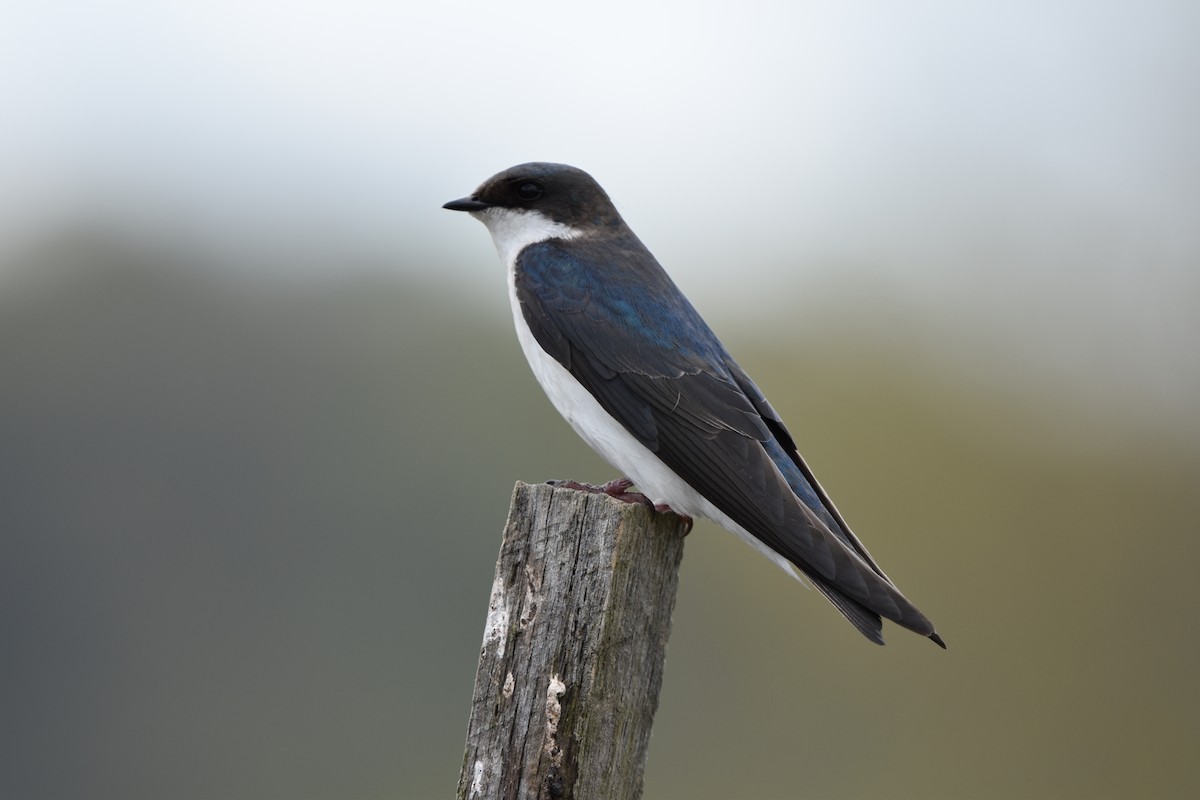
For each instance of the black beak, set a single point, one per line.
(467, 204)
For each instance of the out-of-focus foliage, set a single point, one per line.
(248, 532)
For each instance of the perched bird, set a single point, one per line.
(640, 376)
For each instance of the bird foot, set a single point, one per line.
(688, 522)
(618, 489)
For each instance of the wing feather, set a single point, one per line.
(645, 354)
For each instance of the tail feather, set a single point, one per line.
(869, 623)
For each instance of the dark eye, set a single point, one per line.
(530, 190)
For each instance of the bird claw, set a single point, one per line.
(618, 489)
(688, 522)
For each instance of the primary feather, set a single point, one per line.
(642, 378)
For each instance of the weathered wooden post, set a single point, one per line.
(573, 648)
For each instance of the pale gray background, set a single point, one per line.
(261, 407)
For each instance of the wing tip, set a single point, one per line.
(938, 640)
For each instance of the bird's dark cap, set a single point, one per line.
(562, 193)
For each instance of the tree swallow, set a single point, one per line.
(640, 376)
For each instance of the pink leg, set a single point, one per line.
(618, 489)
(663, 508)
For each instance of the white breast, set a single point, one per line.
(513, 231)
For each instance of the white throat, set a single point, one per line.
(512, 231)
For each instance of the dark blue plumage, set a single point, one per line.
(594, 300)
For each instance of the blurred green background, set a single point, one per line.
(262, 410)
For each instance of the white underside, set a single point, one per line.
(512, 232)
